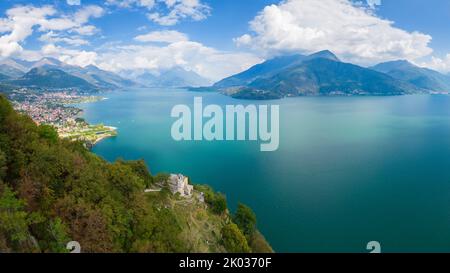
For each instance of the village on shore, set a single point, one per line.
(57, 109)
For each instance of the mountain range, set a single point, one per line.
(323, 74)
(51, 73)
(318, 74)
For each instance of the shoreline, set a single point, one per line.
(100, 140)
(110, 131)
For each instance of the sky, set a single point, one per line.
(218, 38)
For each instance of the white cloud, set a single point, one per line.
(181, 9)
(20, 23)
(83, 15)
(352, 31)
(130, 3)
(51, 37)
(168, 12)
(206, 61)
(168, 36)
(74, 2)
(70, 56)
(439, 64)
(86, 30)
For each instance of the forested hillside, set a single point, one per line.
(54, 191)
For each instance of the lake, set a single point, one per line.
(348, 170)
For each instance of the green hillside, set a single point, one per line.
(53, 191)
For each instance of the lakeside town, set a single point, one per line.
(57, 109)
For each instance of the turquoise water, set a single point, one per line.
(349, 170)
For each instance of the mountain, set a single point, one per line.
(92, 74)
(52, 78)
(53, 192)
(176, 77)
(259, 71)
(101, 79)
(318, 74)
(270, 68)
(325, 54)
(421, 77)
(47, 62)
(16, 64)
(10, 71)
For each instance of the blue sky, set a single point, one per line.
(427, 16)
(217, 38)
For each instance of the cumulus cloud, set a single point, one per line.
(155, 52)
(352, 31)
(168, 12)
(51, 37)
(180, 9)
(83, 15)
(168, 36)
(20, 22)
(80, 58)
(19, 25)
(206, 61)
(86, 30)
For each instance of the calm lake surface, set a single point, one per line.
(349, 170)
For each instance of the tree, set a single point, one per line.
(219, 203)
(58, 236)
(3, 166)
(125, 180)
(233, 240)
(14, 220)
(140, 168)
(48, 132)
(161, 178)
(87, 225)
(245, 218)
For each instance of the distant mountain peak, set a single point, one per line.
(263, 69)
(422, 77)
(43, 70)
(14, 63)
(47, 61)
(394, 65)
(401, 63)
(91, 66)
